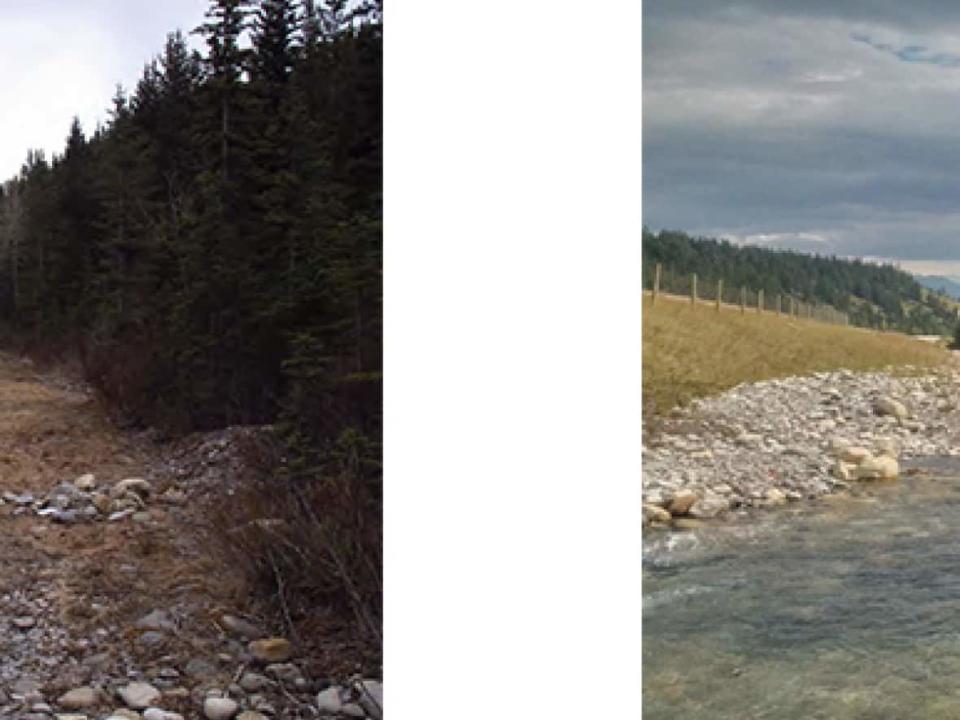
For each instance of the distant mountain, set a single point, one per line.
(871, 295)
(941, 283)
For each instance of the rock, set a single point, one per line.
(253, 682)
(101, 502)
(370, 694)
(199, 668)
(141, 517)
(655, 513)
(85, 482)
(58, 716)
(285, 672)
(773, 496)
(710, 506)
(215, 708)
(139, 695)
(882, 467)
(79, 698)
(156, 620)
(241, 627)
(158, 714)
(681, 504)
(151, 639)
(886, 405)
(329, 701)
(842, 471)
(173, 496)
(24, 623)
(124, 714)
(120, 515)
(251, 715)
(271, 650)
(139, 486)
(854, 454)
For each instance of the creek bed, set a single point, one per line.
(844, 609)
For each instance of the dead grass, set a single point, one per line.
(693, 351)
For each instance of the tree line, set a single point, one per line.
(212, 253)
(869, 293)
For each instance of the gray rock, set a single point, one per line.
(156, 620)
(215, 708)
(79, 698)
(139, 695)
(158, 714)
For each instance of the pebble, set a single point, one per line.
(79, 698)
(158, 714)
(216, 708)
(271, 650)
(139, 695)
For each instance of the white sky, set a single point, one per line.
(62, 59)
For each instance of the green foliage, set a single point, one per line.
(867, 292)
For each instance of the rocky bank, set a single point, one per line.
(765, 444)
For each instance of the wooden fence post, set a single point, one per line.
(779, 306)
(760, 300)
(693, 289)
(743, 299)
(656, 284)
(719, 293)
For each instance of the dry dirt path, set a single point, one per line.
(86, 602)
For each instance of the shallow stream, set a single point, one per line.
(842, 609)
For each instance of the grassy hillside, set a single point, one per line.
(692, 351)
(872, 295)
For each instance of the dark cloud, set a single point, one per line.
(828, 127)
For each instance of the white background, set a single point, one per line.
(512, 293)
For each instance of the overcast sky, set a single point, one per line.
(818, 125)
(62, 59)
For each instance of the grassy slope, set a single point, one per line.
(694, 351)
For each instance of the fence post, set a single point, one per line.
(779, 307)
(719, 293)
(790, 308)
(760, 300)
(656, 284)
(743, 299)
(693, 290)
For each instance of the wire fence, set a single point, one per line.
(720, 294)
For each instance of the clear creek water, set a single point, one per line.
(843, 609)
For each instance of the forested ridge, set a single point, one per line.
(869, 293)
(212, 254)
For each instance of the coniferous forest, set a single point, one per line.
(211, 255)
(868, 293)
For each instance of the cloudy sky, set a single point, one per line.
(62, 59)
(822, 126)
